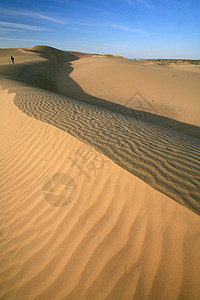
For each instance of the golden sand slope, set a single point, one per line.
(172, 91)
(168, 162)
(169, 95)
(118, 238)
(75, 223)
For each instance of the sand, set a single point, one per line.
(124, 221)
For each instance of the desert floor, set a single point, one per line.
(99, 177)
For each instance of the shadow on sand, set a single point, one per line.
(53, 74)
(166, 161)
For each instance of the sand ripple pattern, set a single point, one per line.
(167, 161)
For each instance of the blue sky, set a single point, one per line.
(132, 28)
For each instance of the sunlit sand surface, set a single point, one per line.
(100, 184)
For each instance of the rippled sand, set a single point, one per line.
(95, 204)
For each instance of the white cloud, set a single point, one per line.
(49, 18)
(22, 40)
(131, 3)
(4, 30)
(128, 28)
(22, 26)
(143, 2)
(30, 14)
(114, 26)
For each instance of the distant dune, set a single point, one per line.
(100, 189)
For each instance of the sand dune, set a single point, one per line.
(165, 89)
(78, 219)
(113, 83)
(168, 162)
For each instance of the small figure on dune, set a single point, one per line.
(12, 59)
